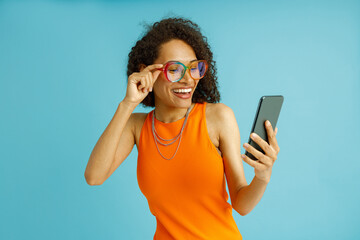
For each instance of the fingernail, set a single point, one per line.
(267, 123)
(242, 155)
(246, 145)
(254, 135)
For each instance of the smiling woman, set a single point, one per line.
(147, 49)
(188, 144)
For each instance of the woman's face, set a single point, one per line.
(175, 50)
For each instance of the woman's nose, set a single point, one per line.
(187, 77)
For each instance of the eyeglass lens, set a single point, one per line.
(176, 71)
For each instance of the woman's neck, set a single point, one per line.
(168, 114)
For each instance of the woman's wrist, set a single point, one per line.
(129, 104)
(265, 181)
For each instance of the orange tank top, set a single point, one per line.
(186, 194)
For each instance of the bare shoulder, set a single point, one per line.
(216, 119)
(218, 111)
(138, 116)
(138, 120)
(220, 117)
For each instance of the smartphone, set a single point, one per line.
(268, 109)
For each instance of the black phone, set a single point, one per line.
(268, 109)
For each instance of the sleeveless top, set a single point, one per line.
(186, 194)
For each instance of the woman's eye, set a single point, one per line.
(173, 70)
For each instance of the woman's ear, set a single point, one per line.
(141, 67)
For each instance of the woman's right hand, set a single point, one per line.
(141, 83)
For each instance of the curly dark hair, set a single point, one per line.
(146, 50)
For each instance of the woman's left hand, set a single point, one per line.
(265, 161)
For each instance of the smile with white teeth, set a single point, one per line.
(182, 90)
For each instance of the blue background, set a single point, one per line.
(63, 74)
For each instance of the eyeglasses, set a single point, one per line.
(175, 71)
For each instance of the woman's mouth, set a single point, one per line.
(183, 93)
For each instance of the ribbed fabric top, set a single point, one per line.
(186, 194)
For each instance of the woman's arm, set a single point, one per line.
(244, 197)
(116, 140)
(249, 196)
(229, 145)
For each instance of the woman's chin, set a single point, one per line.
(184, 103)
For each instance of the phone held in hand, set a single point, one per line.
(268, 109)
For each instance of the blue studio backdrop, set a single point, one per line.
(63, 74)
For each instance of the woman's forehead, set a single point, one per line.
(176, 50)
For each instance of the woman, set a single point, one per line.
(187, 143)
